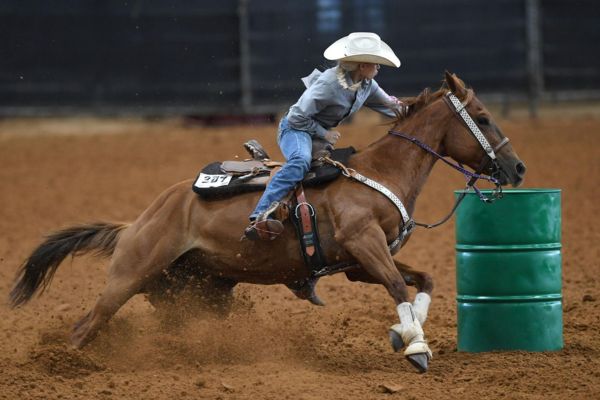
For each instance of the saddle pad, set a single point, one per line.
(213, 183)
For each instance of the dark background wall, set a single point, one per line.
(235, 56)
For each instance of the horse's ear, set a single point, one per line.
(455, 85)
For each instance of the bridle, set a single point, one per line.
(408, 224)
(459, 109)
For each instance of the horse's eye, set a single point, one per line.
(481, 120)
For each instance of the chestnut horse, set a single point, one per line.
(181, 235)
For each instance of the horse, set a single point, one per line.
(181, 236)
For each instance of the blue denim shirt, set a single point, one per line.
(325, 103)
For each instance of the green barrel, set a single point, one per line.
(508, 272)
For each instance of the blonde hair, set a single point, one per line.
(344, 67)
(348, 66)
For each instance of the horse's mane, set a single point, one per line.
(423, 99)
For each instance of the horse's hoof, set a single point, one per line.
(419, 361)
(305, 290)
(396, 340)
(77, 342)
(316, 300)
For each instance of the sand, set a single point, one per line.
(58, 172)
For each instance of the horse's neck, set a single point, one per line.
(398, 164)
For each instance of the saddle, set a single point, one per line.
(228, 178)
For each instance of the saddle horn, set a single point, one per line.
(256, 150)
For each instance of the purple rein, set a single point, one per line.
(471, 177)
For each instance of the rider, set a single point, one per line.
(330, 97)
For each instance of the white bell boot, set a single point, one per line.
(410, 332)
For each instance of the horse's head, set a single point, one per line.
(461, 141)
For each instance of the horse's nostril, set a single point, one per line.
(521, 168)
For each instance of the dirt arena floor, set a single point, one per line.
(57, 172)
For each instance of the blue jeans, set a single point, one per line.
(296, 147)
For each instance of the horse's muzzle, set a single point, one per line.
(512, 172)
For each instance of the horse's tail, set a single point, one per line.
(37, 271)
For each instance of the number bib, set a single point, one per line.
(208, 180)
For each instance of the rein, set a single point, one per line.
(471, 177)
(408, 224)
(459, 109)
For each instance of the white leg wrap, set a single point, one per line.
(410, 331)
(405, 313)
(409, 328)
(421, 306)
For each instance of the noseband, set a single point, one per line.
(490, 156)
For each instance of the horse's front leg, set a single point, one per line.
(424, 285)
(369, 247)
(421, 280)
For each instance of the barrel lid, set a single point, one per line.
(515, 191)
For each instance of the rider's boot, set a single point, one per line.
(264, 227)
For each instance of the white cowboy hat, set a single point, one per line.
(362, 47)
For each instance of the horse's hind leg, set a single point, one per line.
(136, 262)
(116, 293)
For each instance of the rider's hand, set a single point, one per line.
(399, 105)
(332, 136)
